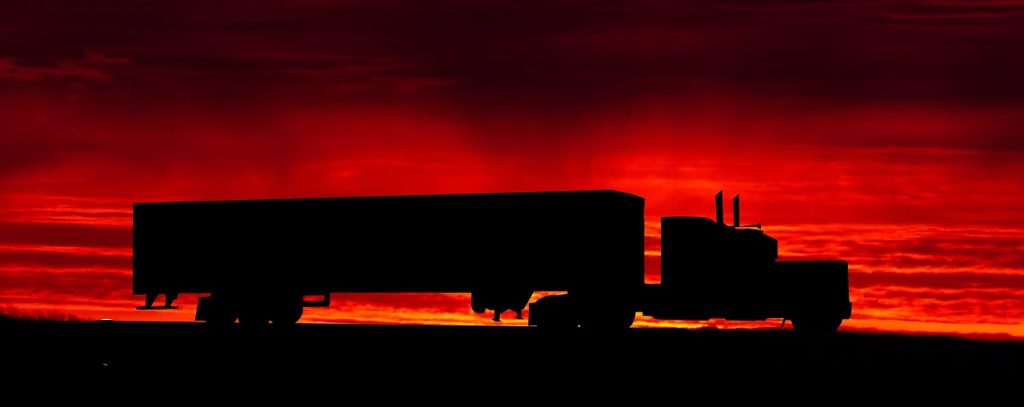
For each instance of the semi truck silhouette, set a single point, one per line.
(263, 261)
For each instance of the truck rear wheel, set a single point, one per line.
(287, 313)
(554, 313)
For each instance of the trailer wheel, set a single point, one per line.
(224, 320)
(816, 324)
(253, 316)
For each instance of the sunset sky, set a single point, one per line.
(888, 134)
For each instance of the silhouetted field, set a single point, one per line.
(507, 358)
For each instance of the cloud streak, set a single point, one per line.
(90, 67)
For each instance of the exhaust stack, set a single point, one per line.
(736, 211)
(719, 210)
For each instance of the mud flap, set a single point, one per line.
(203, 309)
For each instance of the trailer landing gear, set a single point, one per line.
(500, 300)
(168, 301)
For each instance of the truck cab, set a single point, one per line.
(714, 270)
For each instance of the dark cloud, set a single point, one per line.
(957, 11)
(565, 54)
(89, 67)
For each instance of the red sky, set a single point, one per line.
(890, 135)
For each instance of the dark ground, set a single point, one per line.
(500, 358)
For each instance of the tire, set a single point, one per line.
(554, 313)
(253, 316)
(220, 313)
(221, 320)
(287, 313)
